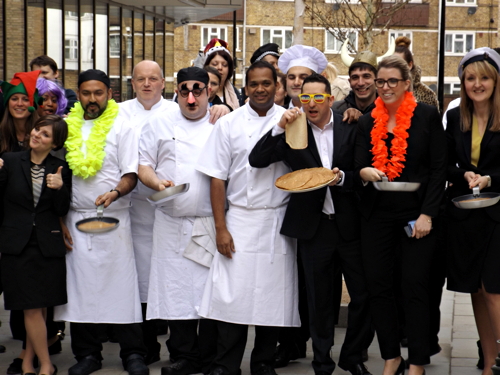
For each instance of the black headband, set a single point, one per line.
(94, 75)
(483, 57)
(192, 74)
(266, 49)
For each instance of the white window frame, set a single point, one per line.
(455, 39)
(274, 36)
(465, 3)
(215, 33)
(338, 43)
(398, 33)
(340, 2)
(72, 49)
(238, 32)
(452, 88)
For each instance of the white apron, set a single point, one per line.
(176, 283)
(101, 274)
(259, 284)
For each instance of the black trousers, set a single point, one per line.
(85, 339)
(319, 257)
(194, 340)
(231, 342)
(387, 250)
(149, 332)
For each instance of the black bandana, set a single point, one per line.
(94, 75)
(192, 74)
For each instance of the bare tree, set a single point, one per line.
(368, 17)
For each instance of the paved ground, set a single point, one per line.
(457, 338)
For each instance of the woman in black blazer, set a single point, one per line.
(473, 133)
(36, 193)
(404, 141)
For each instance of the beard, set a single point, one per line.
(94, 114)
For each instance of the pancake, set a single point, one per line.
(93, 225)
(305, 179)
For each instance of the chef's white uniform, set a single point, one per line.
(101, 274)
(141, 212)
(259, 284)
(171, 145)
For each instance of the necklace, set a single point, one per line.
(394, 166)
(89, 165)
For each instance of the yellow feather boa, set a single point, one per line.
(88, 166)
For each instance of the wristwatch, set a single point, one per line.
(489, 181)
(118, 191)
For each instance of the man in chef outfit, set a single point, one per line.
(253, 277)
(101, 274)
(170, 145)
(148, 83)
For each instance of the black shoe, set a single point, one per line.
(134, 365)
(2, 349)
(364, 355)
(85, 366)
(16, 367)
(218, 371)
(358, 369)
(283, 355)
(263, 369)
(180, 367)
(480, 362)
(401, 368)
(151, 358)
(55, 348)
(54, 373)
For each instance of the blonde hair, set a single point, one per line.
(330, 72)
(396, 62)
(480, 68)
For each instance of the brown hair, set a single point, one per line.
(226, 56)
(480, 68)
(59, 129)
(403, 47)
(282, 79)
(44, 60)
(398, 63)
(8, 137)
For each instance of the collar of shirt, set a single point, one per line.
(155, 106)
(255, 114)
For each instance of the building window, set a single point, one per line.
(397, 34)
(333, 45)
(208, 33)
(458, 43)
(461, 2)
(114, 46)
(71, 49)
(281, 37)
(452, 88)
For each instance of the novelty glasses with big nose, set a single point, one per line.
(318, 98)
(196, 92)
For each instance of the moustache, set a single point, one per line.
(91, 103)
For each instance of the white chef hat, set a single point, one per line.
(306, 56)
(480, 54)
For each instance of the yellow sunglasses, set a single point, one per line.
(318, 98)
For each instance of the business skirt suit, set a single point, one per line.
(473, 235)
(33, 265)
(386, 249)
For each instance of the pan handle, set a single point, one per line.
(100, 211)
(475, 191)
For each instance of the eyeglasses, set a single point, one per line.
(196, 92)
(391, 82)
(318, 98)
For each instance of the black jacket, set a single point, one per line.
(20, 214)
(304, 210)
(425, 159)
(459, 162)
(350, 102)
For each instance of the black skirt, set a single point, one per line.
(31, 280)
(473, 253)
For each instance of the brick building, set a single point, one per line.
(109, 35)
(469, 24)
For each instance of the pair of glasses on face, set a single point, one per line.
(196, 92)
(391, 82)
(318, 98)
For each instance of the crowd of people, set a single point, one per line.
(232, 250)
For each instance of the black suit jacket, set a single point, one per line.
(459, 162)
(304, 210)
(19, 211)
(425, 159)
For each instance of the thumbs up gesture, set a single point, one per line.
(54, 180)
